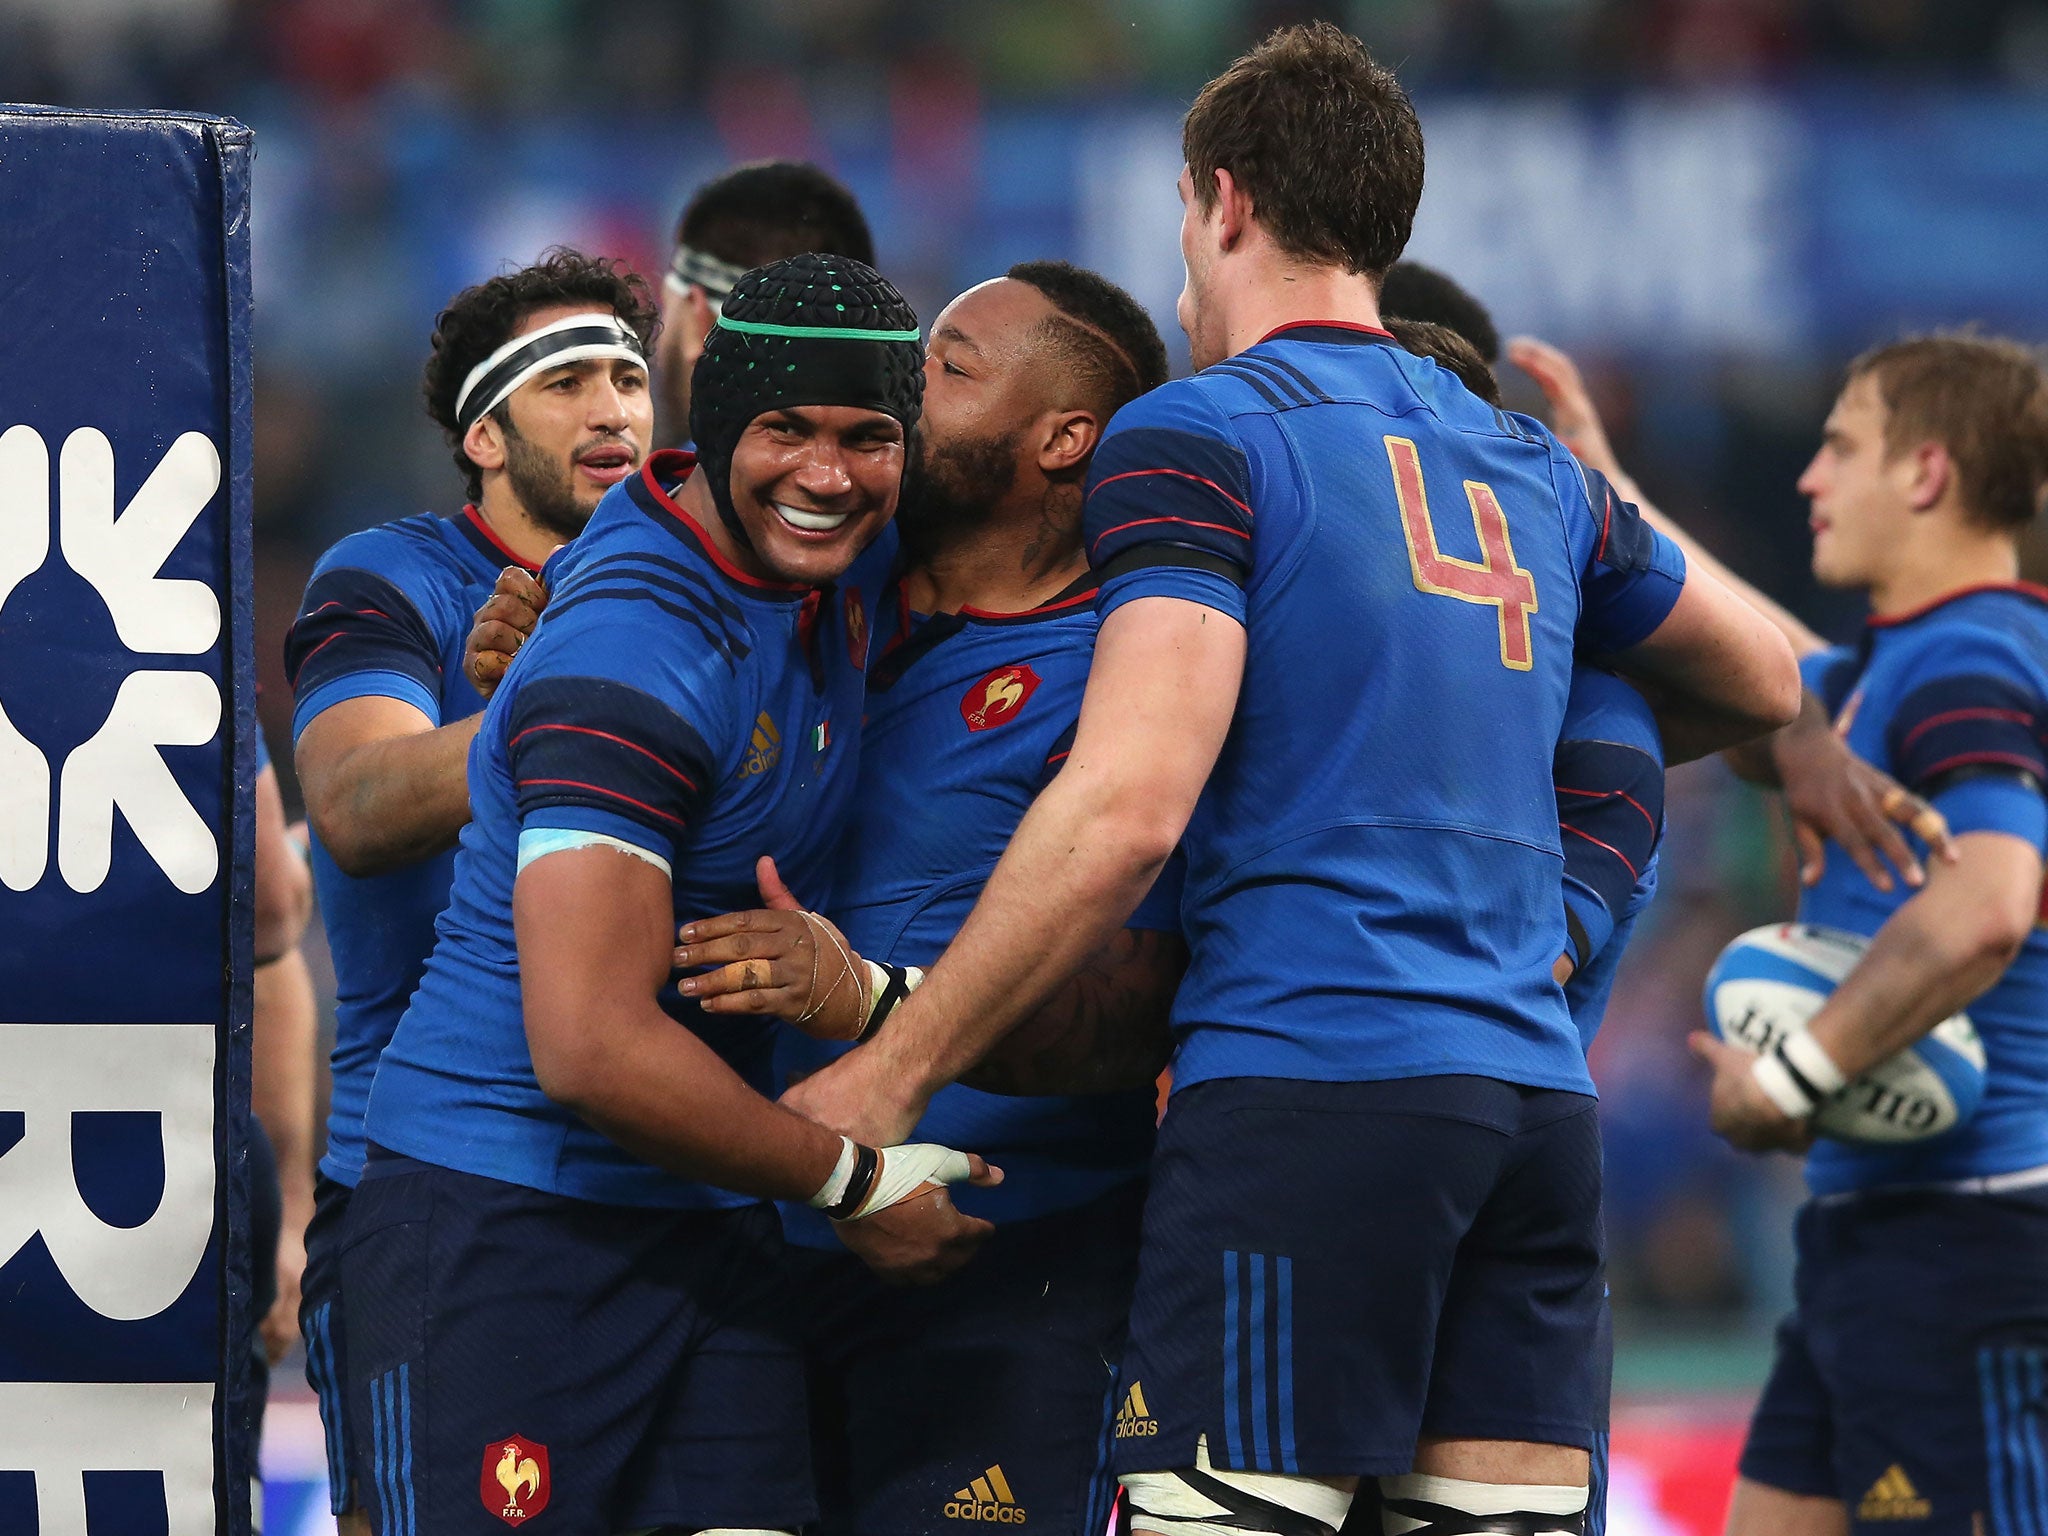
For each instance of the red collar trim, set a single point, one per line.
(2023, 588)
(490, 537)
(684, 462)
(1324, 325)
(1055, 605)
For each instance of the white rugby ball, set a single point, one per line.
(1771, 980)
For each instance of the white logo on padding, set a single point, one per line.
(120, 767)
(56, 1071)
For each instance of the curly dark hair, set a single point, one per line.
(481, 319)
(1111, 343)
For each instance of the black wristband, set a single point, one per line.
(867, 1162)
(897, 989)
(1800, 1080)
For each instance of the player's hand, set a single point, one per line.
(860, 1095)
(280, 1325)
(787, 962)
(1835, 796)
(919, 1240)
(1740, 1112)
(1573, 416)
(501, 627)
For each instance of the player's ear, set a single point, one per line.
(1233, 209)
(1933, 473)
(1068, 441)
(484, 442)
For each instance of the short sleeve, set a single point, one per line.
(1971, 709)
(593, 754)
(359, 634)
(1168, 509)
(1610, 814)
(1633, 574)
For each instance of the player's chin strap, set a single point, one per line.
(1415, 1504)
(866, 1180)
(1213, 1501)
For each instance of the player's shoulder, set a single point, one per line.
(424, 550)
(640, 598)
(1996, 631)
(1604, 707)
(1202, 404)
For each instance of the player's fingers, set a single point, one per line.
(739, 946)
(982, 1172)
(1862, 831)
(516, 582)
(1812, 852)
(1896, 807)
(753, 920)
(1932, 828)
(1713, 1052)
(496, 638)
(774, 894)
(754, 978)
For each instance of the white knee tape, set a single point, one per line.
(1213, 1501)
(1415, 1504)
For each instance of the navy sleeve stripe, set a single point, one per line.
(597, 789)
(1185, 522)
(1953, 716)
(385, 630)
(631, 746)
(1649, 821)
(600, 744)
(1634, 874)
(1981, 721)
(1134, 474)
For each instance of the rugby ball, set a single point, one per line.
(1771, 980)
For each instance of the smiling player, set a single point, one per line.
(561, 1252)
(539, 378)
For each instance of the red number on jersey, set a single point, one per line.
(1495, 580)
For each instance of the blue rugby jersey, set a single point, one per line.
(668, 700)
(386, 614)
(1952, 701)
(1609, 773)
(969, 715)
(1373, 866)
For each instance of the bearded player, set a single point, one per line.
(562, 1246)
(1371, 1239)
(539, 378)
(986, 1397)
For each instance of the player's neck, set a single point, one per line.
(502, 513)
(1029, 550)
(1947, 558)
(1273, 291)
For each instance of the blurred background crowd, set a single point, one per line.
(1713, 203)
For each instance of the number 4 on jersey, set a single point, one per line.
(1496, 579)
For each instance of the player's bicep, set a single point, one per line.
(1610, 815)
(593, 927)
(1161, 694)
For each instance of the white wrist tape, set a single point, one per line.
(906, 1169)
(1781, 1088)
(1810, 1059)
(833, 1190)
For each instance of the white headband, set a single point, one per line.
(571, 339)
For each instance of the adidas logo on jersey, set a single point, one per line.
(1134, 1418)
(1893, 1497)
(765, 749)
(988, 1497)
